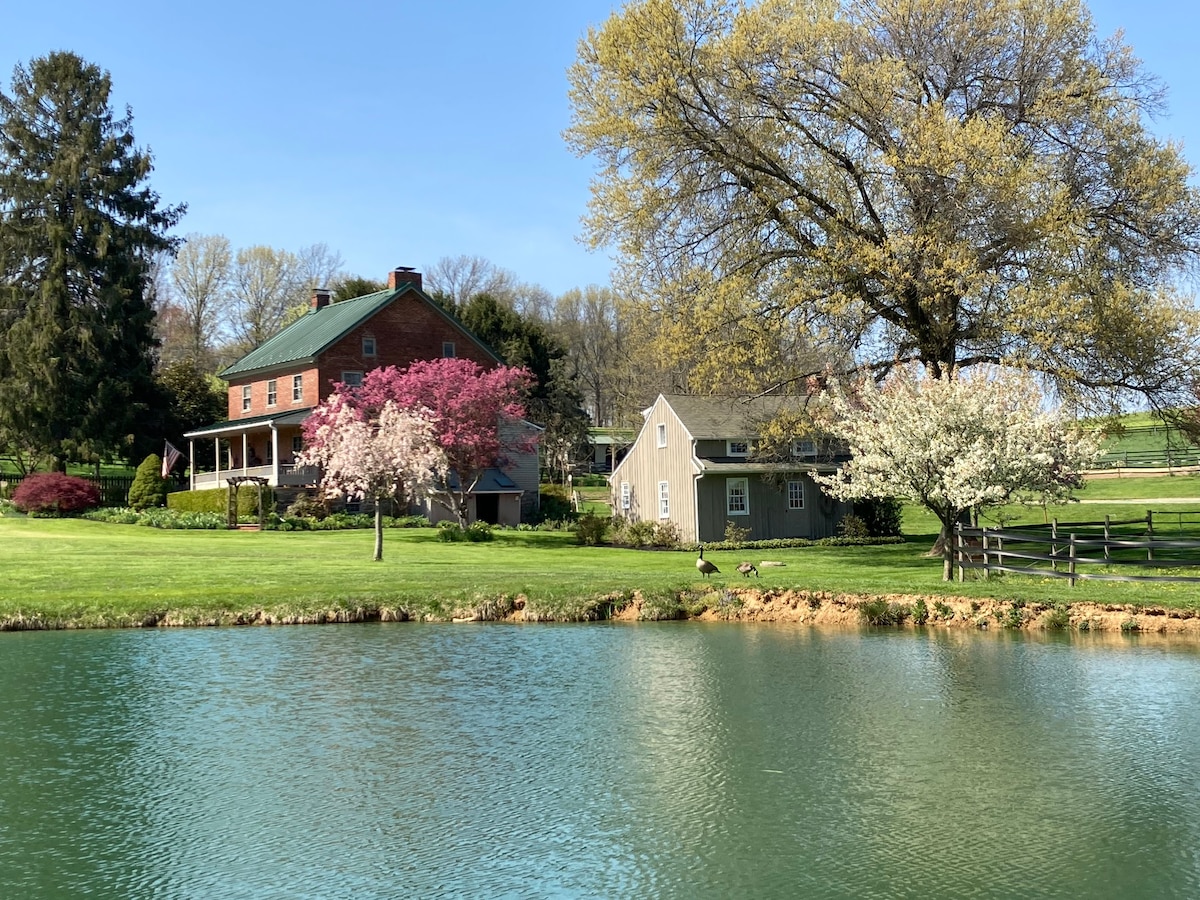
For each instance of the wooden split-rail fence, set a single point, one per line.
(1108, 550)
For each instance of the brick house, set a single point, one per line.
(274, 387)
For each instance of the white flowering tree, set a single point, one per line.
(954, 444)
(392, 454)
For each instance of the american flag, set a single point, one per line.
(170, 457)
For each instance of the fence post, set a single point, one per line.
(987, 571)
(1107, 520)
(1054, 544)
(1150, 532)
(1071, 564)
(958, 550)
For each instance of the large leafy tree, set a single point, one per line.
(949, 182)
(376, 454)
(201, 276)
(953, 444)
(78, 230)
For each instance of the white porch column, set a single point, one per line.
(274, 455)
(191, 464)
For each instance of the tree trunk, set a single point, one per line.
(378, 532)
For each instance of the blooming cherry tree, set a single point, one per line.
(389, 453)
(475, 414)
(954, 444)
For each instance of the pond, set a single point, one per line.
(666, 760)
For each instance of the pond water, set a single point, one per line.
(671, 760)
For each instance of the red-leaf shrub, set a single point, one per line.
(53, 493)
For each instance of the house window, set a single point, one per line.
(297, 444)
(737, 496)
(795, 495)
(664, 503)
(448, 349)
(272, 393)
(625, 495)
(804, 447)
(737, 448)
(352, 379)
(245, 398)
(270, 453)
(368, 346)
(661, 431)
(297, 388)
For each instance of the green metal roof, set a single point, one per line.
(305, 338)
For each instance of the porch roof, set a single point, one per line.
(742, 467)
(251, 423)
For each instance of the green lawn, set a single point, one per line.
(98, 574)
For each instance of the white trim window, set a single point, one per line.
(246, 398)
(660, 434)
(368, 346)
(297, 388)
(737, 496)
(737, 448)
(352, 379)
(272, 392)
(626, 495)
(664, 501)
(804, 447)
(795, 494)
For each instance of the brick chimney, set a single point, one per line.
(321, 298)
(404, 274)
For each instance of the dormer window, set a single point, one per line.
(737, 448)
(804, 447)
(368, 346)
(660, 431)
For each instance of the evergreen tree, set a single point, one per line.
(78, 230)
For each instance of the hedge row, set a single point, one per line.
(216, 500)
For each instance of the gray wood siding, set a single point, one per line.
(647, 464)
(769, 515)
(522, 468)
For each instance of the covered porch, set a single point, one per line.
(261, 446)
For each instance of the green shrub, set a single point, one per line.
(450, 532)
(639, 533)
(555, 504)
(216, 500)
(478, 532)
(590, 481)
(1059, 617)
(308, 507)
(736, 534)
(666, 534)
(853, 527)
(920, 612)
(942, 610)
(590, 529)
(149, 488)
(882, 516)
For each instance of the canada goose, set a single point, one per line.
(746, 568)
(706, 568)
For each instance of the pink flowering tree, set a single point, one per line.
(378, 455)
(476, 416)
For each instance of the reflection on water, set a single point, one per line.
(672, 760)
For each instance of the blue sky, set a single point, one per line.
(401, 132)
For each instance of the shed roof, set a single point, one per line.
(721, 418)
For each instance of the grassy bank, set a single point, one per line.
(89, 574)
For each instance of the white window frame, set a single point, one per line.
(352, 378)
(272, 392)
(795, 491)
(626, 495)
(732, 448)
(247, 397)
(804, 447)
(448, 350)
(368, 346)
(664, 500)
(660, 434)
(730, 495)
(297, 388)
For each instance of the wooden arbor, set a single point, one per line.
(235, 482)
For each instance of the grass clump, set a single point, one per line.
(883, 612)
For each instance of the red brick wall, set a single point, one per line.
(283, 400)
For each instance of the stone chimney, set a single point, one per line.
(404, 274)
(321, 298)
